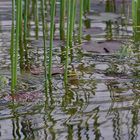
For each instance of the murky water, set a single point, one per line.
(102, 99)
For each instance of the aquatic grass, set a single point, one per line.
(136, 19)
(86, 6)
(62, 19)
(29, 10)
(72, 16)
(80, 21)
(44, 44)
(12, 49)
(17, 41)
(36, 20)
(26, 9)
(53, 3)
(67, 43)
(21, 49)
(110, 6)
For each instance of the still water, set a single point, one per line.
(102, 99)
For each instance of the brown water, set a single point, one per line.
(102, 99)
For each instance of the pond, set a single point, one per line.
(101, 100)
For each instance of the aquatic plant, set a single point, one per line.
(26, 13)
(12, 50)
(53, 3)
(15, 47)
(136, 19)
(36, 19)
(72, 7)
(62, 19)
(86, 6)
(23, 12)
(67, 44)
(44, 45)
(80, 21)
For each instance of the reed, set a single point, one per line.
(12, 49)
(44, 44)
(21, 49)
(67, 43)
(86, 6)
(17, 41)
(36, 19)
(110, 6)
(72, 16)
(53, 3)
(80, 21)
(20, 32)
(62, 19)
(136, 19)
(26, 11)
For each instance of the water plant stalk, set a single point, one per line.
(80, 21)
(12, 49)
(16, 45)
(26, 9)
(53, 3)
(72, 5)
(136, 19)
(62, 19)
(86, 6)
(36, 19)
(44, 44)
(67, 44)
(21, 49)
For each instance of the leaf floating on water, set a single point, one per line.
(55, 70)
(36, 70)
(110, 46)
(91, 46)
(24, 96)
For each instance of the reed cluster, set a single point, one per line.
(44, 13)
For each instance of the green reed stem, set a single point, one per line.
(110, 6)
(53, 3)
(67, 44)
(12, 50)
(25, 34)
(80, 21)
(86, 6)
(62, 19)
(21, 49)
(136, 19)
(36, 19)
(72, 4)
(16, 43)
(44, 44)
(75, 8)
